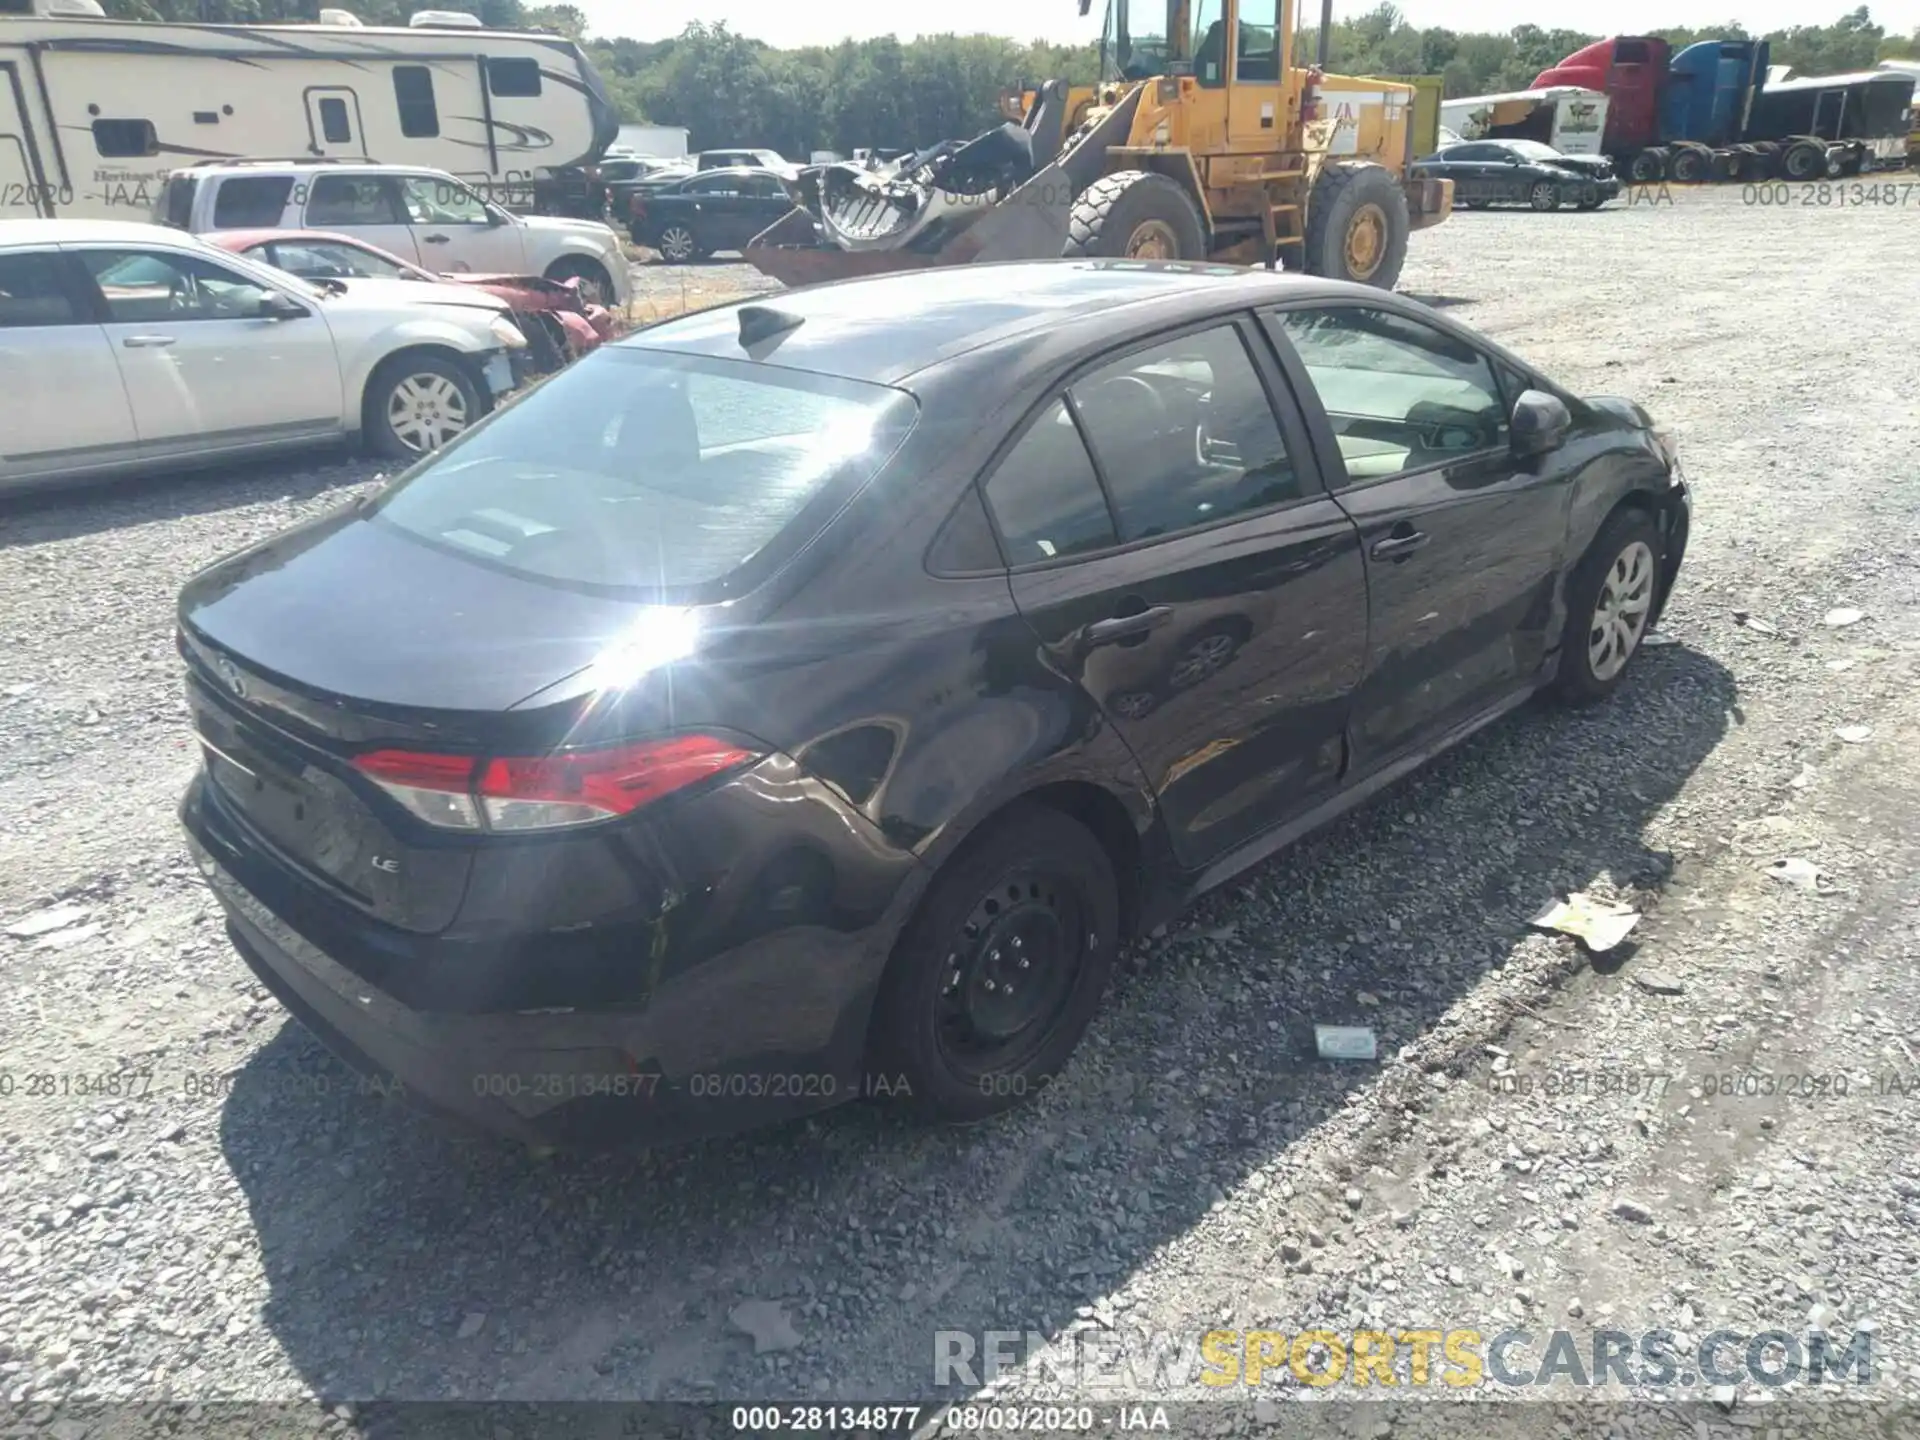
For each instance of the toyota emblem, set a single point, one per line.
(231, 675)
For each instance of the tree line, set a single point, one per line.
(729, 89)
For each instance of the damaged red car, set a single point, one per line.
(559, 324)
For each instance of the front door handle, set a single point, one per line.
(146, 342)
(1399, 545)
(434, 239)
(1126, 627)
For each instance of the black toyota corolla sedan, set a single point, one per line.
(806, 698)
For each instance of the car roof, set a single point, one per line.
(885, 328)
(82, 232)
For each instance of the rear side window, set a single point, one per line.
(354, 200)
(251, 202)
(33, 292)
(515, 77)
(413, 93)
(646, 471)
(1045, 497)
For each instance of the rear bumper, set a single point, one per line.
(751, 1037)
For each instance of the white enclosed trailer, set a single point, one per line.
(1570, 118)
(94, 112)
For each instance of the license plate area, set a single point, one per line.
(315, 823)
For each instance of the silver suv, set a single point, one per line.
(425, 216)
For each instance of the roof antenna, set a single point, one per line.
(763, 322)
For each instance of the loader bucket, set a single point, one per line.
(1030, 224)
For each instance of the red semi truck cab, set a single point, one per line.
(1631, 70)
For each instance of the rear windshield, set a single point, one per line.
(644, 470)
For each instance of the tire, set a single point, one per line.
(1803, 162)
(1690, 167)
(678, 245)
(596, 286)
(931, 1037)
(1134, 214)
(1473, 204)
(1544, 196)
(1622, 565)
(418, 386)
(1347, 196)
(1648, 167)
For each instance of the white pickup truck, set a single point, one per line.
(425, 216)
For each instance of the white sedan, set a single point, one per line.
(131, 347)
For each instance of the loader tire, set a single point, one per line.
(1357, 224)
(1135, 215)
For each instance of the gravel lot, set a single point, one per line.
(255, 1225)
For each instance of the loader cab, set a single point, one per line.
(1195, 37)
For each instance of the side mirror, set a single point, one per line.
(275, 306)
(1540, 424)
(1512, 159)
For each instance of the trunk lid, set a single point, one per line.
(301, 654)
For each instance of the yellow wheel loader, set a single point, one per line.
(1207, 143)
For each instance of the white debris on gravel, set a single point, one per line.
(237, 1218)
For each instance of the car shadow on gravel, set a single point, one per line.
(406, 1260)
(45, 516)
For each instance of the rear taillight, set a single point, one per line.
(637, 205)
(546, 792)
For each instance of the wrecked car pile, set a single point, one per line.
(920, 201)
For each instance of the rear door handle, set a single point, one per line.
(1125, 627)
(146, 342)
(1398, 547)
(434, 239)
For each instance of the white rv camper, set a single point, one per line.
(95, 112)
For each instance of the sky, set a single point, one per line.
(822, 22)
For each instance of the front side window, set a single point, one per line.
(33, 292)
(1400, 395)
(646, 471)
(1045, 495)
(434, 201)
(149, 287)
(341, 200)
(249, 202)
(1185, 434)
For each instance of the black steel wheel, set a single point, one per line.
(1001, 970)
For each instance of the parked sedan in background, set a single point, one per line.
(132, 347)
(714, 210)
(1521, 172)
(559, 325)
(749, 744)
